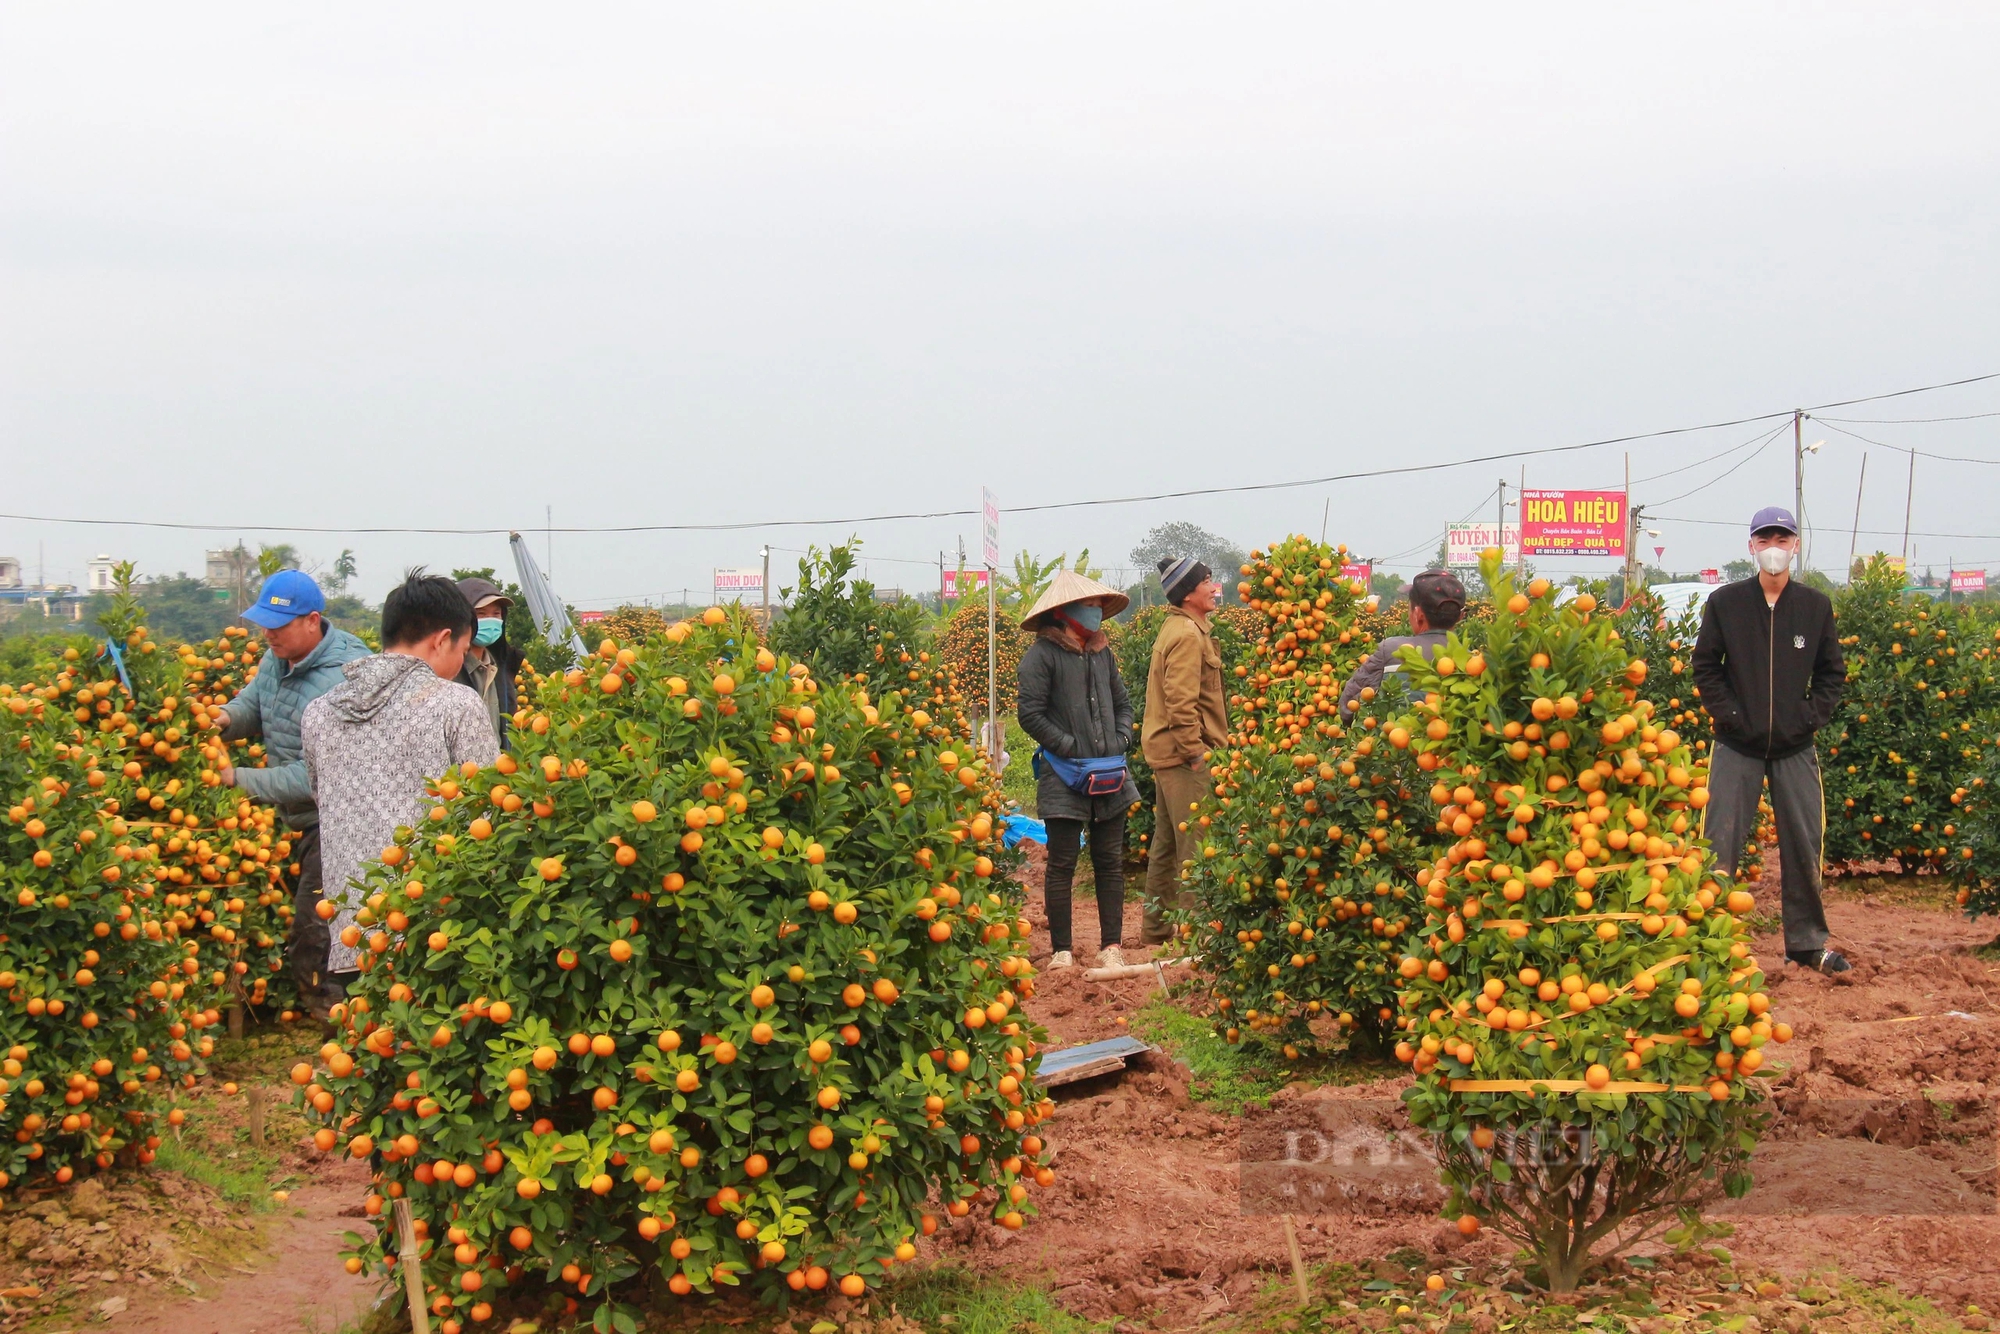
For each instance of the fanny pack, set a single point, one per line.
(1100, 777)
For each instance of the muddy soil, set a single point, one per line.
(1882, 1161)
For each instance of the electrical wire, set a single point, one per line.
(1905, 449)
(1466, 518)
(1908, 421)
(1872, 532)
(1755, 439)
(1403, 471)
(1719, 476)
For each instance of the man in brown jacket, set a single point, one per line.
(1185, 720)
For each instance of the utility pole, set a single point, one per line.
(1854, 537)
(1520, 553)
(1799, 477)
(940, 582)
(767, 588)
(1324, 515)
(1500, 522)
(1631, 529)
(1908, 496)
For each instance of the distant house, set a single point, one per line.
(97, 578)
(10, 572)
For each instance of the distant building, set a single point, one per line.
(10, 572)
(98, 576)
(220, 571)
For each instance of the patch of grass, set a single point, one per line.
(214, 1146)
(1229, 1078)
(1018, 783)
(1695, 1295)
(1934, 892)
(942, 1299)
(954, 1299)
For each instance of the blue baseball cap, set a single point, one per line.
(286, 595)
(1773, 516)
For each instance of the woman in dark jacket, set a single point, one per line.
(1073, 703)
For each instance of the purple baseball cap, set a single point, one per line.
(1773, 516)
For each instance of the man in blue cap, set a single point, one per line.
(1768, 666)
(305, 662)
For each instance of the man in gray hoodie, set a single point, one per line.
(373, 742)
(305, 662)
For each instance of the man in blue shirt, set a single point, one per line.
(306, 660)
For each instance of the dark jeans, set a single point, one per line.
(311, 939)
(1107, 859)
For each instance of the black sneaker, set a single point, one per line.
(1822, 961)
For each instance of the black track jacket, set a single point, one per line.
(1770, 677)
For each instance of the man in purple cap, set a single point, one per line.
(305, 662)
(1769, 670)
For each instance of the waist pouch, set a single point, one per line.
(1100, 777)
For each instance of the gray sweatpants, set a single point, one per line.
(1735, 781)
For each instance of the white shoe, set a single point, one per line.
(1061, 959)
(1111, 957)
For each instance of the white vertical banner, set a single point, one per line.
(989, 532)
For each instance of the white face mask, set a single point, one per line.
(1774, 561)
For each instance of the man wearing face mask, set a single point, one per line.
(1769, 670)
(491, 663)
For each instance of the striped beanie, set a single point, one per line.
(1180, 576)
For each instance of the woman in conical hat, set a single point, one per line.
(1074, 705)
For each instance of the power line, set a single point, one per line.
(1905, 449)
(1405, 470)
(1908, 421)
(1872, 532)
(1738, 464)
(1755, 439)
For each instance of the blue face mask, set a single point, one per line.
(1090, 618)
(488, 631)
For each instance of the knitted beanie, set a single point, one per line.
(1180, 576)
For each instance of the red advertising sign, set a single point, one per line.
(1968, 581)
(1361, 570)
(1711, 576)
(975, 582)
(591, 617)
(1573, 523)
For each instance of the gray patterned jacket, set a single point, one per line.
(371, 744)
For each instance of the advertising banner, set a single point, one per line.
(1711, 576)
(1464, 541)
(1573, 523)
(1361, 570)
(1968, 581)
(738, 584)
(975, 582)
(989, 528)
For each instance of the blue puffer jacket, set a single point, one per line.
(273, 704)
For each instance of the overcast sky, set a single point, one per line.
(445, 265)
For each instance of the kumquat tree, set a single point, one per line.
(710, 981)
(1304, 883)
(1581, 1007)
(142, 896)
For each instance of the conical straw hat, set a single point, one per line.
(1069, 586)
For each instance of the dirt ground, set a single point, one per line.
(1881, 1164)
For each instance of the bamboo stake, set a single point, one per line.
(412, 1266)
(257, 1115)
(1298, 1262)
